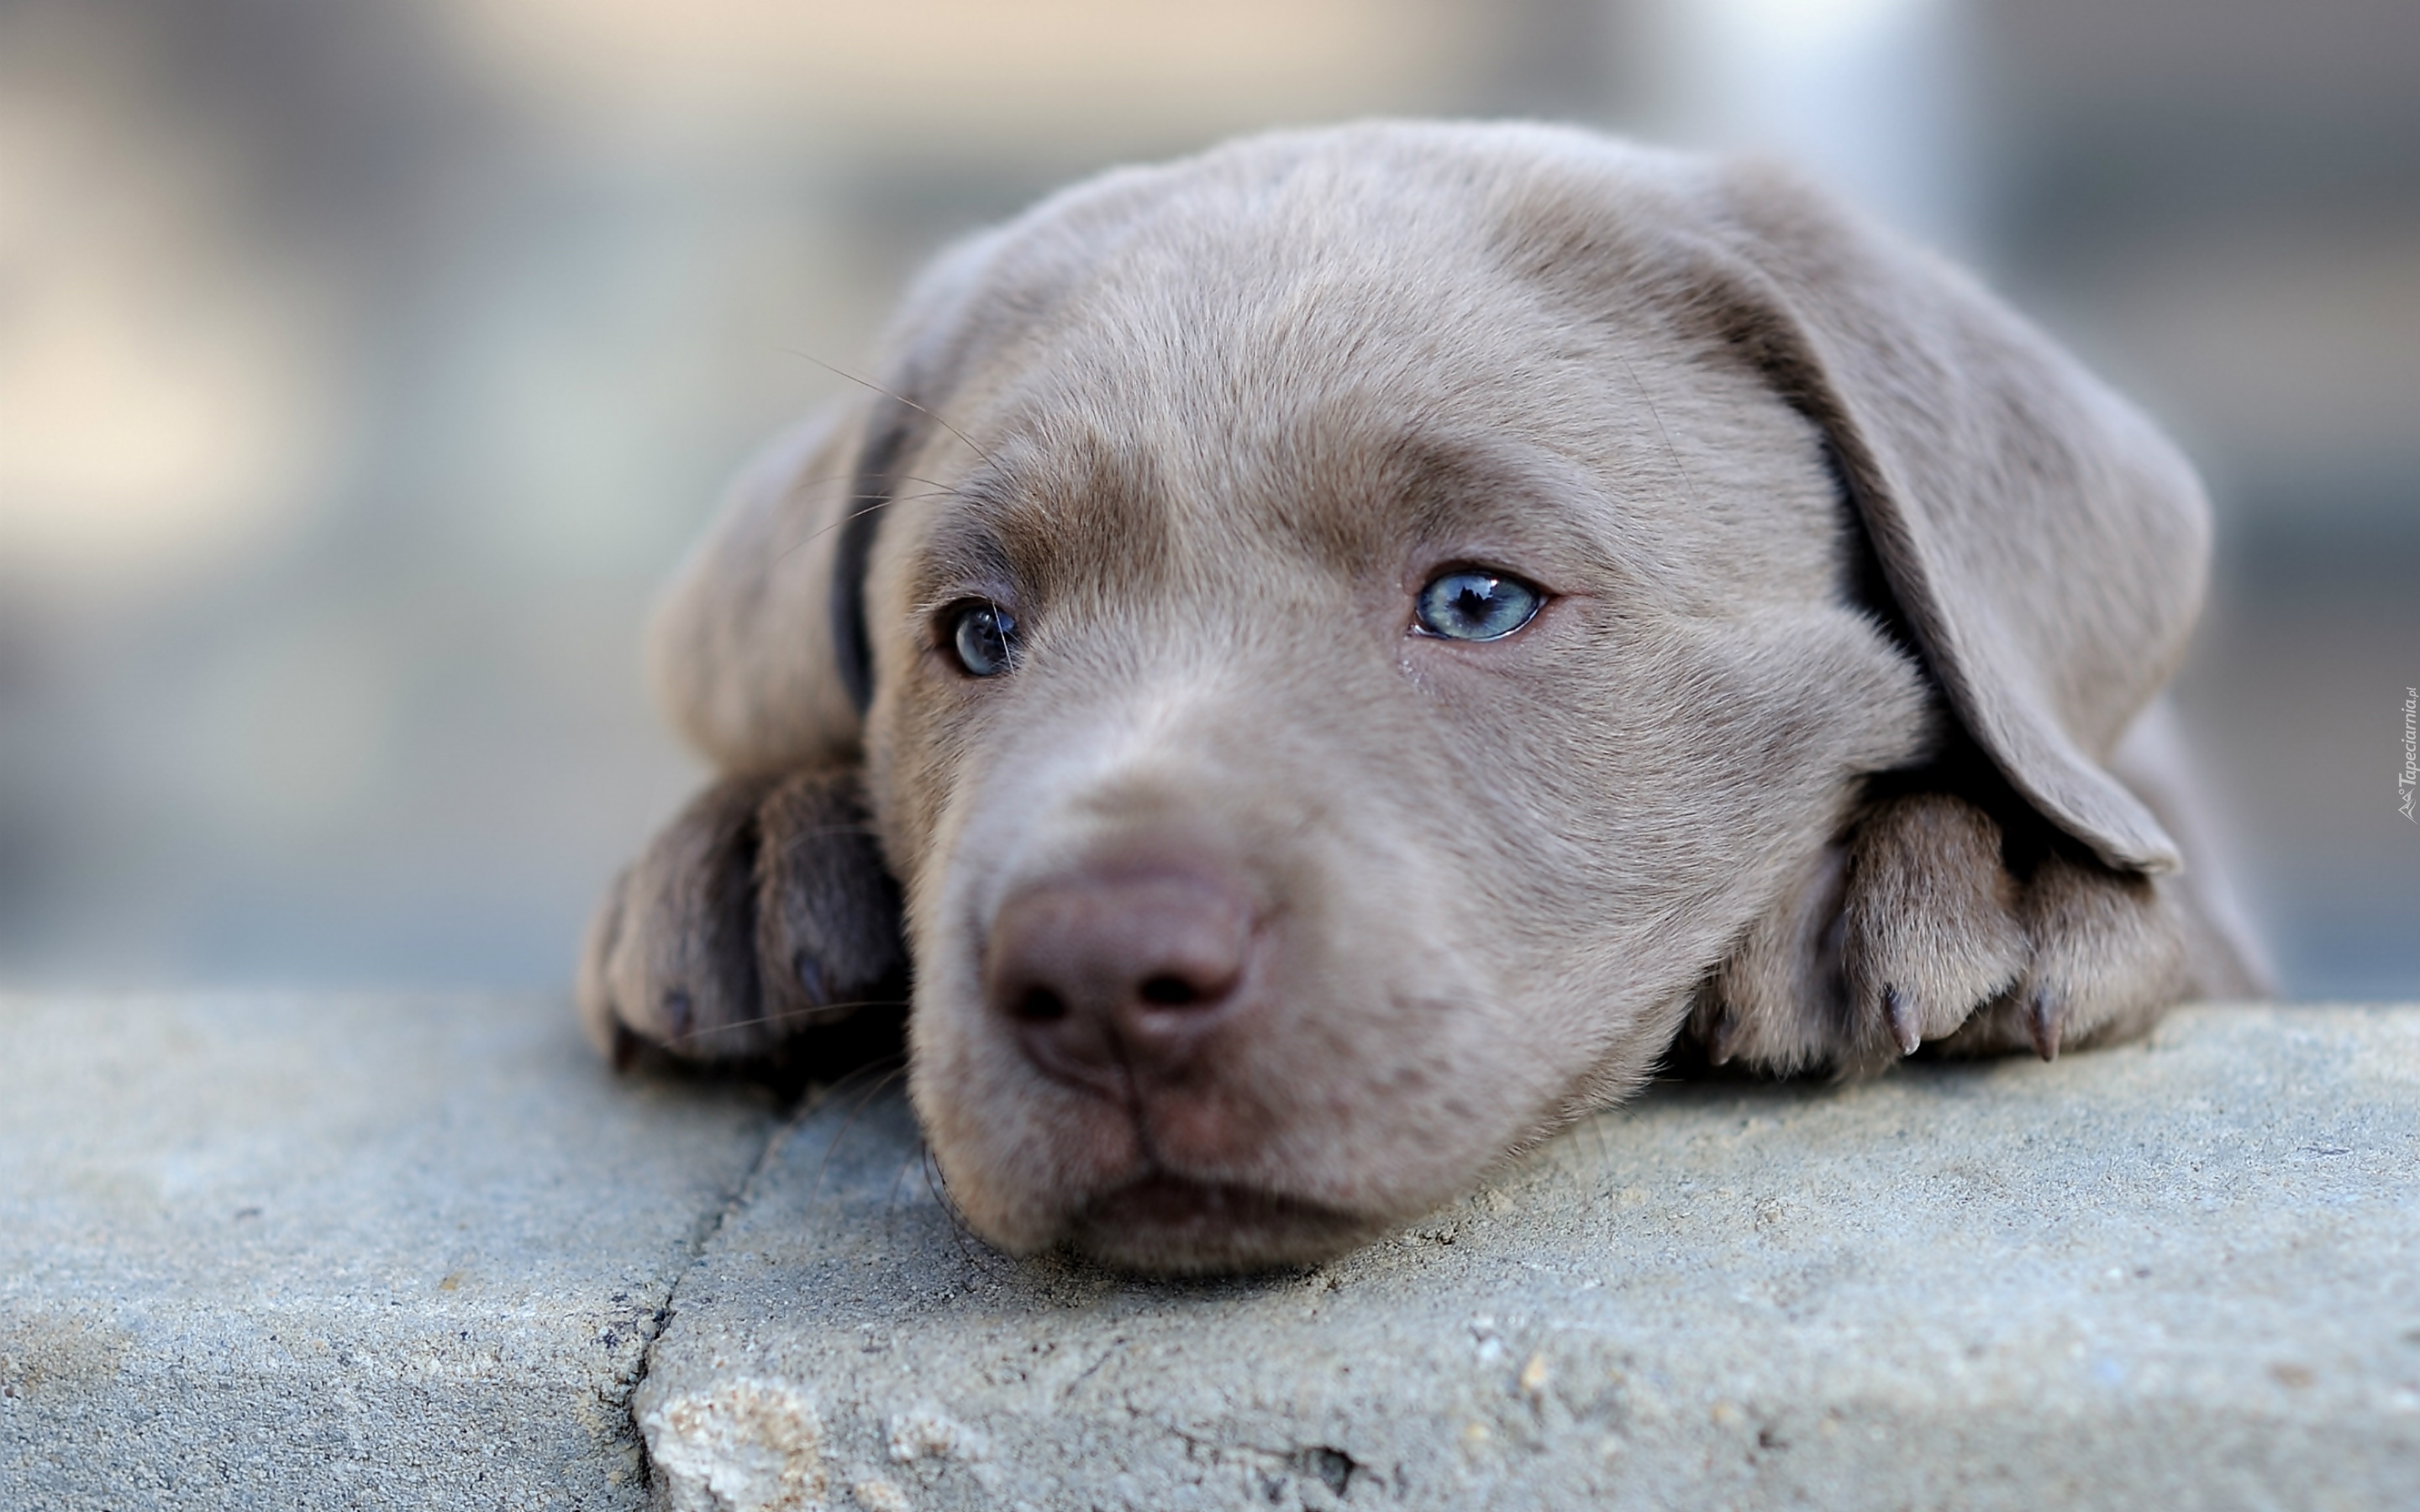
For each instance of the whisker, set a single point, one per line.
(852, 476)
(899, 397)
(939, 1185)
(1603, 1145)
(831, 1147)
(881, 1071)
(880, 501)
(1688, 479)
(785, 1016)
(898, 1179)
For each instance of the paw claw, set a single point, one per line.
(2045, 1016)
(1904, 1025)
(809, 973)
(1724, 1042)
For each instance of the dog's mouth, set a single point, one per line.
(1168, 1224)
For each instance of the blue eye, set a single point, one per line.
(983, 636)
(1472, 603)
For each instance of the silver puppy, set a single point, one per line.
(1359, 646)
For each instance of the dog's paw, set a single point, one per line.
(2110, 952)
(1930, 926)
(762, 913)
(1916, 932)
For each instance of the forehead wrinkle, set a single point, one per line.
(962, 551)
(1068, 517)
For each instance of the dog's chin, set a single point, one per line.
(1165, 1225)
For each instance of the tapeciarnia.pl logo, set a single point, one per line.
(2409, 780)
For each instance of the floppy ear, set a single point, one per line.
(758, 652)
(2046, 545)
(742, 655)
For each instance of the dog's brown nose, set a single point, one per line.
(1117, 975)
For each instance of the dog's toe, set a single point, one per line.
(827, 920)
(672, 956)
(2108, 955)
(760, 917)
(1930, 922)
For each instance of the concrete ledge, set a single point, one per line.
(303, 1253)
(311, 1253)
(2184, 1275)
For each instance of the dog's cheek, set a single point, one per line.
(983, 1116)
(1730, 756)
(915, 754)
(921, 770)
(1410, 1064)
(990, 1145)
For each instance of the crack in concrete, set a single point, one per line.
(702, 1237)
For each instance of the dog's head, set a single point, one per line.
(1344, 634)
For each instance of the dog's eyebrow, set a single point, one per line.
(963, 551)
(1059, 514)
(1457, 489)
(1448, 487)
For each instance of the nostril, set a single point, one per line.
(1166, 991)
(1110, 974)
(1041, 1006)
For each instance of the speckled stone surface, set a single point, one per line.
(302, 1251)
(2183, 1274)
(311, 1252)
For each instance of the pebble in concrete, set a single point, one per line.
(2182, 1275)
(301, 1253)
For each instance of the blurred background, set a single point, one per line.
(364, 366)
